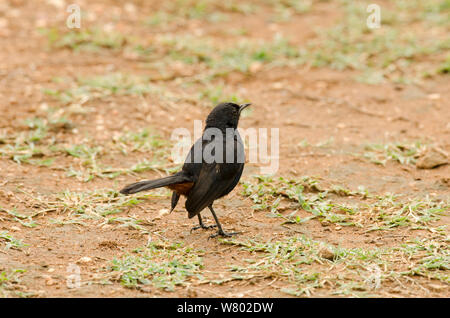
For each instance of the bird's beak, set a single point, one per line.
(243, 106)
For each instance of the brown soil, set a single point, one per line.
(305, 103)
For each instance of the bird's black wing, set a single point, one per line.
(193, 163)
(215, 179)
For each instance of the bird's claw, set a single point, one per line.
(205, 227)
(223, 234)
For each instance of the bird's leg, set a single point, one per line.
(201, 225)
(220, 231)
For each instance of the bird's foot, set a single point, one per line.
(202, 226)
(220, 232)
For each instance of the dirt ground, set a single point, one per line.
(72, 105)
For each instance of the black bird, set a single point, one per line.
(212, 168)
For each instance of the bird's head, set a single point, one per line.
(225, 115)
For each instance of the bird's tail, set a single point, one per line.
(153, 184)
